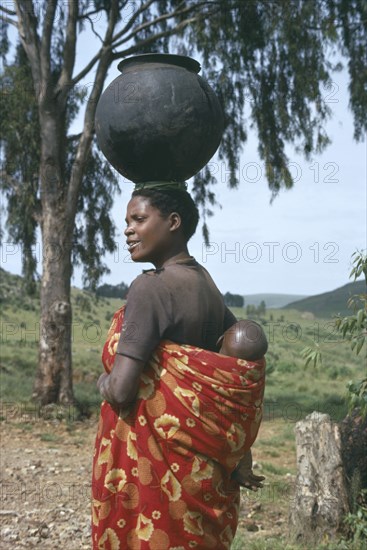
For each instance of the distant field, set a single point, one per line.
(292, 391)
(272, 300)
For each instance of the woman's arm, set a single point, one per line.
(121, 386)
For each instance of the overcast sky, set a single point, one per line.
(299, 244)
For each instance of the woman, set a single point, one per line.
(177, 417)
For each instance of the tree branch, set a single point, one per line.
(88, 126)
(153, 38)
(148, 24)
(6, 10)
(88, 14)
(27, 25)
(74, 137)
(69, 47)
(131, 21)
(46, 39)
(87, 68)
(94, 60)
(10, 21)
(177, 12)
(196, 7)
(94, 30)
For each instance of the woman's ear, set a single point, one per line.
(175, 221)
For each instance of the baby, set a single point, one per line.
(245, 340)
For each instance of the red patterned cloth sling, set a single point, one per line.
(161, 469)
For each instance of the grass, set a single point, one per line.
(292, 392)
(241, 542)
(50, 437)
(276, 470)
(19, 344)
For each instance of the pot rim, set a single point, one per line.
(167, 58)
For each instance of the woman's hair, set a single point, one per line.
(174, 200)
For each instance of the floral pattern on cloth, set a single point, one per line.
(161, 468)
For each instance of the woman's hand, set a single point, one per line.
(121, 386)
(244, 475)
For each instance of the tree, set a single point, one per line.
(233, 300)
(113, 291)
(261, 309)
(270, 57)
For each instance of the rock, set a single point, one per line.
(10, 534)
(251, 527)
(44, 531)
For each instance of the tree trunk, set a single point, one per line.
(53, 383)
(320, 501)
(354, 452)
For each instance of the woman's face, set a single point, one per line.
(149, 234)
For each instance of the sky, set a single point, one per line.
(301, 243)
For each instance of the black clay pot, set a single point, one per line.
(159, 120)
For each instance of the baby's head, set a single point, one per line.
(245, 340)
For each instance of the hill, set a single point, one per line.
(272, 301)
(329, 303)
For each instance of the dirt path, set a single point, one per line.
(45, 487)
(45, 475)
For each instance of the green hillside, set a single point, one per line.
(329, 303)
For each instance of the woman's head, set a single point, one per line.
(159, 224)
(174, 200)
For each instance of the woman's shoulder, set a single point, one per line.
(160, 280)
(147, 281)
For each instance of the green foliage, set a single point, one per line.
(20, 146)
(312, 356)
(113, 291)
(261, 310)
(233, 300)
(272, 59)
(357, 522)
(256, 311)
(358, 395)
(353, 329)
(94, 231)
(20, 177)
(83, 302)
(269, 62)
